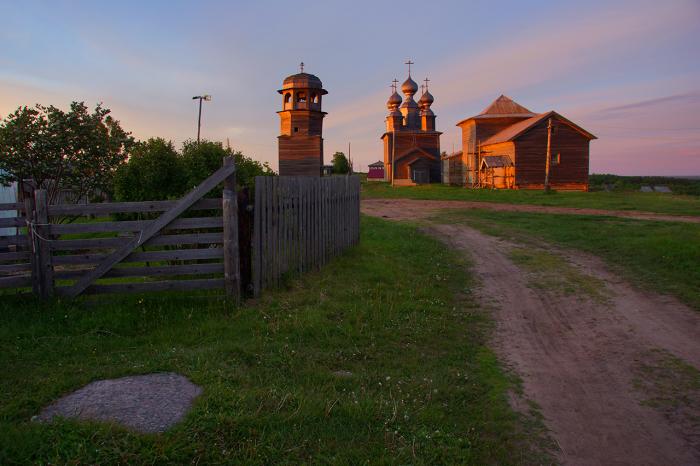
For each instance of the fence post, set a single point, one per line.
(40, 238)
(232, 270)
(33, 256)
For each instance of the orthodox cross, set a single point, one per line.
(394, 83)
(426, 80)
(409, 63)
(301, 66)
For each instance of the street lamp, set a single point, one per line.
(206, 97)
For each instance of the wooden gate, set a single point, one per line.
(100, 255)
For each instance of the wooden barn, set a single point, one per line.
(506, 147)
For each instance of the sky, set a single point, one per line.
(627, 71)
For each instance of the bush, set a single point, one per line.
(153, 172)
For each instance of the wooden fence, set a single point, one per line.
(192, 243)
(300, 223)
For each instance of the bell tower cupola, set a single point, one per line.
(301, 125)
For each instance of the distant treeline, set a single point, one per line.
(690, 186)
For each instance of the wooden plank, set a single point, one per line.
(136, 225)
(15, 256)
(19, 281)
(103, 208)
(258, 212)
(169, 285)
(15, 268)
(232, 262)
(268, 242)
(164, 270)
(17, 240)
(165, 219)
(9, 222)
(274, 251)
(41, 243)
(143, 256)
(12, 206)
(113, 243)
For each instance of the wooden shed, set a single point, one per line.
(376, 171)
(525, 145)
(497, 172)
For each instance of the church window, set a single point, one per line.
(556, 158)
(301, 97)
(296, 129)
(287, 97)
(314, 98)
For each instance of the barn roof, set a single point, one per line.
(515, 130)
(502, 107)
(378, 163)
(496, 161)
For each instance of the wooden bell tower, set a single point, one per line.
(301, 125)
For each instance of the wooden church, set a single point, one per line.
(509, 147)
(411, 142)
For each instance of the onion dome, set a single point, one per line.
(394, 101)
(426, 99)
(409, 86)
(302, 81)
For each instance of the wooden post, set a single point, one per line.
(549, 155)
(40, 237)
(232, 262)
(34, 252)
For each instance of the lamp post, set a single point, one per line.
(206, 97)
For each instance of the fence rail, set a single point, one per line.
(300, 223)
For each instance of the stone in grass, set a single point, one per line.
(343, 374)
(144, 403)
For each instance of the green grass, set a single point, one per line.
(661, 255)
(652, 202)
(396, 312)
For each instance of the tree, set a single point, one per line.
(340, 163)
(76, 150)
(199, 160)
(153, 172)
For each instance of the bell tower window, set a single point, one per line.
(314, 98)
(287, 99)
(301, 97)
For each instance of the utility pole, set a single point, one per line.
(349, 160)
(206, 97)
(549, 154)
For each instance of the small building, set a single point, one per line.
(327, 170)
(301, 125)
(453, 169)
(411, 141)
(376, 171)
(505, 147)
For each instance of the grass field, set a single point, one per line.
(652, 202)
(396, 312)
(664, 256)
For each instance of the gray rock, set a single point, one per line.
(343, 374)
(662, 189)
(144, 403)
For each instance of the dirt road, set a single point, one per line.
(590, 357)
(410, 208)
